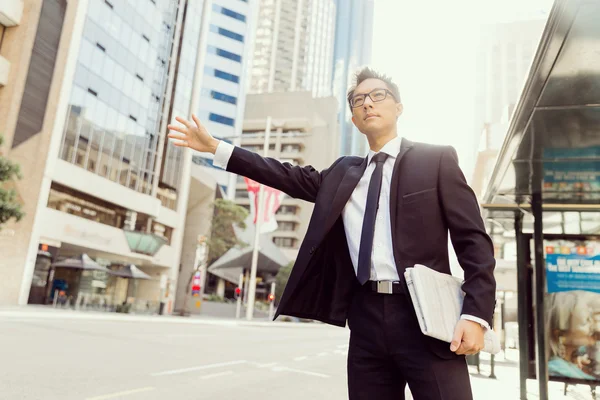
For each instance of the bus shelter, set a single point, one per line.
(544, 195)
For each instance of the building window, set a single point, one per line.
(227, 33)
(258, 148)
(229, 13)
(85, 206)
(221, 119)
(287, 210)
(223, 97)
(291, 148)
(224, 54)
(225, 75)
(286, 226)
(284, 242)
(241, 194)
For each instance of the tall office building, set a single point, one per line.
(353, 37)
(504, 56)
(85, 116)
(294, 47)
(227, 55)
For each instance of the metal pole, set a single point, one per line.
(238, 308)
(246, 287)
(259, 217)
(522, 301)
(539, 293)
(203, 270)
(272, 305)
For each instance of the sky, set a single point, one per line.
(428, 48)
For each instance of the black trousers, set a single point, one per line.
(387, 351)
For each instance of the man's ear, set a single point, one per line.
(399, 109)
(354, 121)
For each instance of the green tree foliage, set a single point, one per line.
(281, 280)
(9, 206)
(227, 214)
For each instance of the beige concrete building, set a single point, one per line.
(91, 85)
(304, 132)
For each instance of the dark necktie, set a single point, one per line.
(368, 227)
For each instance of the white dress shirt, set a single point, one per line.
(383, 265)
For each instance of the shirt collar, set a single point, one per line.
(391, 148)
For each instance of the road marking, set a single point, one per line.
(300, 358)
(299, 371)
(217, 374)
(119, 394)
(199, 368)
(265, 365)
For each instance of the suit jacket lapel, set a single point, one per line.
(404, 148)
(344, 191)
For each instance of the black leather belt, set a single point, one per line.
(387, 287)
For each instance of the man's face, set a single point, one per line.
(374, 117)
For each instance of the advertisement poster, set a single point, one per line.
(574, 175)
(573, 311)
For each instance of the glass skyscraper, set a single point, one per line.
(353, 37)
(119, 89)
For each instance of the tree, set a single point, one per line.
(281, 280)
(9, 207)
(226, 215)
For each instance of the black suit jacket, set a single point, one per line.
(429, 197)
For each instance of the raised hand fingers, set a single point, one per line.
(196, 120)
(181, 143)
(177, 128)
(177, 135)
(185, 122)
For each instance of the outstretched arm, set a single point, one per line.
(298, 182)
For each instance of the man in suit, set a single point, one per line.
(374, 216)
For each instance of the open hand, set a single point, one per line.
(468, 337)
(193, 135)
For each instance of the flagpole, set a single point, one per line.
(259, 217)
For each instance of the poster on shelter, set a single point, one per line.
(573, 311)
(572, 174)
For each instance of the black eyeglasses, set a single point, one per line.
(376, 95)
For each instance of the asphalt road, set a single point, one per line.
(59, 354)
(74, 358)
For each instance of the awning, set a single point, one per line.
(270, 258)
(144, 243)
(131, 272)
(552, 146)
(81, 262)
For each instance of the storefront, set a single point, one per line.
(67, 236)
(544, 195)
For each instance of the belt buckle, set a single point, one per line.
(384, 287)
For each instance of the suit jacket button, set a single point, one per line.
(312, 249)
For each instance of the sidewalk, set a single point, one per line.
(47, 312)
(506, 386)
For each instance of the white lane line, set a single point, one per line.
(119, 394)
(265, 365)
(199, 368)
(217, 374)
(300, 358)
(299, 371)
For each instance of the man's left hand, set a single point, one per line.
(468, 337)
